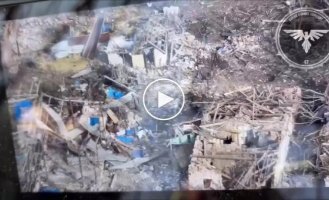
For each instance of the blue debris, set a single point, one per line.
(124, 139)
(114, 94)
(130, 132)
(22, 107)
(137, 153)
(93, 121)
(49, 189)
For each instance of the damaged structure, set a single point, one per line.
(246, 143)
(79, 119)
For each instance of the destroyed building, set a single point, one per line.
(76, 87)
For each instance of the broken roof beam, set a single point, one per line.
(223, 157)
(286, 134)
(56, 117)
(116, 83)
(155, 46)
(283, 150)
(91, 45)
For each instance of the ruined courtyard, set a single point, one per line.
(250, 121)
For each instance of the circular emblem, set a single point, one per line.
(302, 38)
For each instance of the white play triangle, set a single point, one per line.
(163, 99)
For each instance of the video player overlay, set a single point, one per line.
(175, 95)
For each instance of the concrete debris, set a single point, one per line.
(82, 124)
(138, 61)
(160, 58)
(119, 43)
(115, 59)
(236, 138)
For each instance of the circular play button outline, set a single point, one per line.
(172, 82)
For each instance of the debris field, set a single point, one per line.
(75, 87)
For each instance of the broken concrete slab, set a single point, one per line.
(201, 170)
(115, 59)
(138, 61)
(160, 58)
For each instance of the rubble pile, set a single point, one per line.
(76, 101)
(240, 144)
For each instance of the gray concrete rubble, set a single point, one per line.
(76, 85)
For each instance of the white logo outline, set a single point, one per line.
(291, 63)
(301, 35)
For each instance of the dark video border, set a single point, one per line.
(9, 182)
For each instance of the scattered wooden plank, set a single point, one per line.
(225, 157)
(283, 150)
(137, 162)
(237, 91)
(56, 117)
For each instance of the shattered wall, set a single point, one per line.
(246, 149)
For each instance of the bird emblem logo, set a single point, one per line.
(301, 35)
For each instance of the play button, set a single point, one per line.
(163, 99)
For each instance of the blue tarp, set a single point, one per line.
(20, 107)
(124, 139)
(114, 94)
(93, 121)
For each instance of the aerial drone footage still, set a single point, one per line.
(171, 95)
